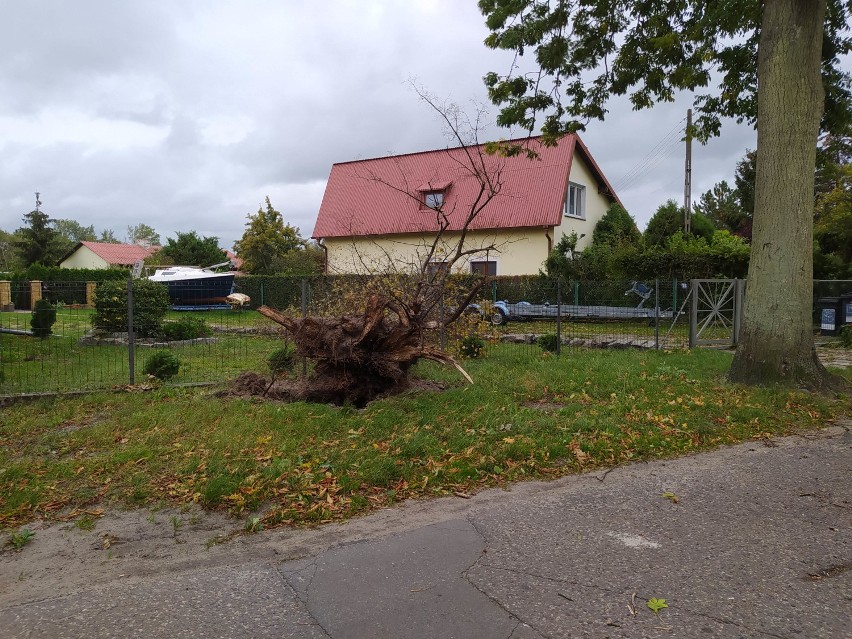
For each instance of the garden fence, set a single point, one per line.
(528, 314)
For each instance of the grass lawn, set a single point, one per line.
(528, 415)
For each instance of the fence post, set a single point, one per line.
(35, 293)
(5, 295)
(576, 293)
(90, 294)
(131, 335)
(261, 292)
(657, 314)
(674, 295)
(494, 291)
(304, 315)
(693, 315)
(558, 317)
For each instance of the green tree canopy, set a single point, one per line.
(143, 235)
(668, 220)
(721, 206)
(616, 227)
(37, 241)
(189, 249)
(266, 241)
(74, 232)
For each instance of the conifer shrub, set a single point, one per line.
(43, 319)
(162, 364)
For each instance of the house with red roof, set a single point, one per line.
(98, 255)
(382, 213)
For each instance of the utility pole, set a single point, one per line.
(687, 178)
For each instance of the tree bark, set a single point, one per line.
(776, 342)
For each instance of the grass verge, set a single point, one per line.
(529, 415)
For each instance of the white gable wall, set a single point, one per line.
(596, 205)
(84, 257)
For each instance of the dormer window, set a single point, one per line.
(433, 199)
(433, 194)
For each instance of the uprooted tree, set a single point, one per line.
(360, 355)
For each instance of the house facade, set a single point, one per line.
(384, 213)
(101, 255)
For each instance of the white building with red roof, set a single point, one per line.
(97, 255)
(380, 213)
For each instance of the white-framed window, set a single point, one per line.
(487, 268)
(575, 203)
(433, 199)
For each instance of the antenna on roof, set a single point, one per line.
(38, 202)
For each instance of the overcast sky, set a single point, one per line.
(185, 115)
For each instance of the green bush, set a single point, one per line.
(846, 336)
(548, 342)
(282, 360)
(186, 327)
(44, 317)
(150, 304)
(162, 365)
(471, 347)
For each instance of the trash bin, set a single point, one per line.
(829, 315)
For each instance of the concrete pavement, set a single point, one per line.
(750, 541)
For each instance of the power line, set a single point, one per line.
(661, 150)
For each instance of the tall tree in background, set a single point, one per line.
(143, 235)
(37, 241)
(189, 249)
(108, 236)
(266, 241)
(721, 206)
(9, 260)
(790, 49)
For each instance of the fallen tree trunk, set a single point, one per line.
(359, 357)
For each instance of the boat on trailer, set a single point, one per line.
(192, 287)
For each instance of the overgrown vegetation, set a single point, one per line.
(527, 416)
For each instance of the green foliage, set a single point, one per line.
(721, 206)
(150, 304)
(845, 334)
(191, 250)
(744, 180)
(281, 360)
(668, 220)
(548, 342)
(647, 51)
(561, 262)
(37, 241)
(73, 232)
(143, 235)
(266, 240)
(162, 364)
(21, 538)
(43, 319)
(185, 327)
(833, 224)
(616, 227)
(471, 347)
(57, 274)
(9, 260)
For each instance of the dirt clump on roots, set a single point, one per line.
(248, 385)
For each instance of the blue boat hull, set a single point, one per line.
(200, 292)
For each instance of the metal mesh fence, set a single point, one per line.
(215, 341)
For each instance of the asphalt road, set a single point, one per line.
(751, 541)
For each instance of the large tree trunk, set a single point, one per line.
(776, 343)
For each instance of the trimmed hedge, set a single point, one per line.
(150, 304)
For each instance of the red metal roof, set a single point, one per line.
(119, 254)
(380, 196)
